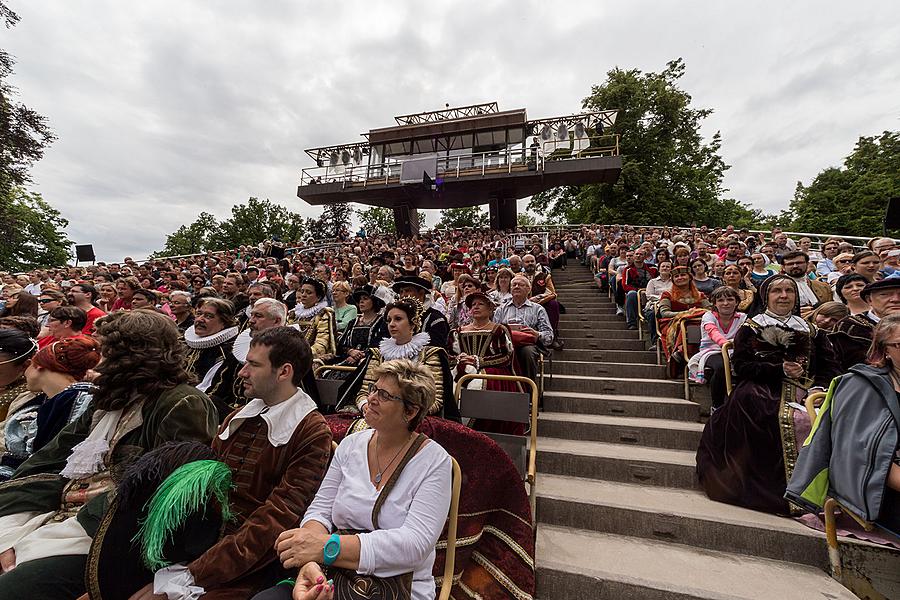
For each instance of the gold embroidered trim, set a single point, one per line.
(501, 577)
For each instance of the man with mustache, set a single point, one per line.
(852, 335)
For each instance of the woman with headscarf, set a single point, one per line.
(682, 302)
(404, 321)
(749, 446)
(55, 375)
(315, 319)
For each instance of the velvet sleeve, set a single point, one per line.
(179, 418)
(747, 365)
(252, 546)
(826, 366)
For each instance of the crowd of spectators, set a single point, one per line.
(152, 368)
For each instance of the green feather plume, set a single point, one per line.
(183, 493)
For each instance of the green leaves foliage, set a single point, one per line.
(34, 233)
(469, 216)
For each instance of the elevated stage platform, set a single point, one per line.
(464, 156)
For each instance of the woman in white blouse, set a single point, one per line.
(410, 519)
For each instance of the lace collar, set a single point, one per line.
(309, 313)
(791, 321)
(210, 341)
(391, 350)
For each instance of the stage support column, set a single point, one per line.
(503, 213)
(407, 220)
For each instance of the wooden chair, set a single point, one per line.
(726, 363)
(658, 340)
(328, 388)
(517, 407)
(452, 518)
(690, 335)
(642, 302)
(811, 402)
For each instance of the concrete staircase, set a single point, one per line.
(619, 511)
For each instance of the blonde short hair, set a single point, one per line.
(342, 286)
(417, 385)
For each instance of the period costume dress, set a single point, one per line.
(674, 308)
(318, 326)
(10, 393)
(749, 446)
(211, 359)
(54, 503)
(362, 335)
(852, 337)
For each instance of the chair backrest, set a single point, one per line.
(692, 333)
(328, 390)
(452, 518)
(501, 406)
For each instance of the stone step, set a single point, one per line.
(579, 564)
(678, 516)
(637, 431)
(615, 323)
(662, 388)
(578, 319)
(624, 356)
(600, 369)
(571, 312)
(609, 331)
(621, 406)
(617, 462)
(608, 344)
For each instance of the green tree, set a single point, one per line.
(258, 220)
(851, 200)
(670, 174)
(24, 134)
(335, 217)
(34, 233)
(468, 216)
(526, 219)
(378, 220)
(192, 239)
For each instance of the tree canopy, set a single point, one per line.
(670, 173)
(380, 220)
(468, 216)
(34, 233)
(851, 200)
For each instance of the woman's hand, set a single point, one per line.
(355, 355)
(311, 584)
(792, 369)
(296, 547)
(8, 560)
(465, 359)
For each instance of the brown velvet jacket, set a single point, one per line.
(268, 499)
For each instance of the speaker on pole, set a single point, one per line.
(85, 253)
(892, 215)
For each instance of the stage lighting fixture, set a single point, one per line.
(345, 158)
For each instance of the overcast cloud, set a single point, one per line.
(165, 109)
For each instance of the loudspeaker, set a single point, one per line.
(85, 253)
(892, 214)
(276, 252)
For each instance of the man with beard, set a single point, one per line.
(209, 341)
(56, 501)
(852, 335)
(433, 321)
(543, 292)
(811, 292)
(84, 296)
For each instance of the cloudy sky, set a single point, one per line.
(165, 108)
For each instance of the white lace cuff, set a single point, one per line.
(177, 583)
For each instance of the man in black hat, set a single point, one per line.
(852, 335)
(433, 322)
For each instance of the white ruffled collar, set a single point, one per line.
(281, 419)
(242, 343)
(210, 341)
(794, 322)
(308, 313)
(391, 350)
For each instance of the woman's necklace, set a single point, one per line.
(381, 471)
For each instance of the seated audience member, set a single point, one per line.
(682, 302)
(344, 312)
(48, 301)
(826, 265)
(64, 322)
(396, 537)
(142, 401)
(655, 288)
(717, 327)
(407, 342)
(827, 315)
(528, 323)
(457, 313)
(702, 281)
(733, 277)
(125, 288)
(778, 359)
(265, 313)
(108, 296)
(433, 321)
(144, 298)
(85, 297)
(852, 336)
(843, 265)
(543, 292)
(812, 292)
(19, 303)
(255, 291)
(209, 356)
(60, 396)
(859, 405)
(16, 350)
(761, 270)
(500, 291)
(182, 309)
(636, 278)
(316, 319)
(848, 289)
(867, 264)
(289, 442)
(368, 330)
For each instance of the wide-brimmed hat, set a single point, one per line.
(373, 292)
(411, 280)
(476, 295)
(885, 284)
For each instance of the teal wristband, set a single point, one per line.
(331, 550)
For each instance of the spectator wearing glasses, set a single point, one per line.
(182, 309)
(826, 265)
(843, 265)
(811, 292)
(85, 296)
(64, 322)
(47, 302)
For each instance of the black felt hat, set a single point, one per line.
(885, 284)
(411, 280)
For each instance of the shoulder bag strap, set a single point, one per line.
(417, 443)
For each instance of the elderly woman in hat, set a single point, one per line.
(368, 329)
(749, 446)
(483, 346)
(315, 319)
